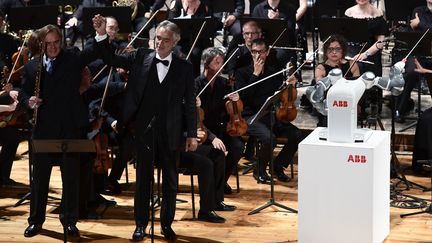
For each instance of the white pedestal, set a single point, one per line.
(344, 190)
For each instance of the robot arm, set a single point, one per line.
(395, 82)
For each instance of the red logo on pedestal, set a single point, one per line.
(357, 158)
(340, 103)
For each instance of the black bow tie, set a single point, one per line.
(164, 62)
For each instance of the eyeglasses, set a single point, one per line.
(334, 49)
(254, 52)
(251, 33)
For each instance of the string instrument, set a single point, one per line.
(13, 118)
(237, 125)
(21, 58)
(102, 161)
(200, 124)
(287, 111)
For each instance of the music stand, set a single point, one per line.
(354, 30)
(400, 10)
(220, 6)
(122, 14)
(271, 29)
(32, 17)
(269, 106)
(189, 28)
(64, 147)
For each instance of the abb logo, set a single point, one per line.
(357, 158)
(340, 103)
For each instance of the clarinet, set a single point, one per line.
(33, 121)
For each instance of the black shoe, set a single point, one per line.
(210, 216)
(73, 232)
(32, 230)
(224, 207)
(262, 179)
(228, 189)
(399, 118)
(168, 233)
(114, 187)
(280, 175)
(139, 233)
(103, 201)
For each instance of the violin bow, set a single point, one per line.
(196, 40)
(16, 61)
(217, 73)
(130, 42)
(274, 74)
(105, 91)
(274, 43)
(356, 59)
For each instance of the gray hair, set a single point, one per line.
(210, 53)
(168, 25)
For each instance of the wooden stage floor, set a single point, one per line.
(117, 224)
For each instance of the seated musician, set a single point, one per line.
(213, 104)
(372, 52)
(335, 50)
(420, 22)
(253, 98)
(276, 9)
(74, 25)
(423, 133)
(208, 162)
(9, 139)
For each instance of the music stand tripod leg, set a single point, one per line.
(272, 201)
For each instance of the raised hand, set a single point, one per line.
(99, 24)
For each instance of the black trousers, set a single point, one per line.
(423, 139)
(261, 130)
(9, 140)
(209, 164)
(235, 148)
(42, 167)
(167, 160)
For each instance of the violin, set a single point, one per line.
(200, 124)
(20, 59)
(102, 161)
(287, 111)
(237, 125)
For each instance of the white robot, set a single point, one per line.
(340, 105)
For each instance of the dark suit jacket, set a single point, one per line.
(62, 113)
(181, 112)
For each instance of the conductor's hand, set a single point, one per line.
(99, 24)
(191, 144)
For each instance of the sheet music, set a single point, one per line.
(264, 106)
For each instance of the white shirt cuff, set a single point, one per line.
(100, 38)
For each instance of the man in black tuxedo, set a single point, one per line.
(160, 100)
(61, 115)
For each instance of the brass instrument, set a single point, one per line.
(127, 3)
(69, 9)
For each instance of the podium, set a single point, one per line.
(344, 190)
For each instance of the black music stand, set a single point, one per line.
(64, 147)
(354, 30)
(122, 14)
(220, 6)
(189, 28)
(400, 10)
(269, 106)
(32, 17)
(407, 40)
(271, 29)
